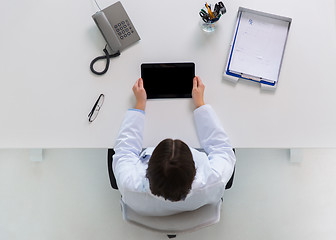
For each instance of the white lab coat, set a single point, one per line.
(213, 170)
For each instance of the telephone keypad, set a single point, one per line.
(123, 29)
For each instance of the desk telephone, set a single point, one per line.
(117, 30)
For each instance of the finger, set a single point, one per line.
(140, 83)
(199, 81)
(136, 85)
(195, 82)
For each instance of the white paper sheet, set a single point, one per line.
(259, 46)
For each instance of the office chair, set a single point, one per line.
(173, 224)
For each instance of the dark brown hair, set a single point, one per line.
(171, 170)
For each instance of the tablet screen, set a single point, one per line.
(168, 80)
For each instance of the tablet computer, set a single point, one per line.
(168, 80)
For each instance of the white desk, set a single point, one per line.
(47, 89)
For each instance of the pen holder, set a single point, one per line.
(210, 16)
(208, 26)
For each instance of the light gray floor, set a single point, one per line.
(68, 197)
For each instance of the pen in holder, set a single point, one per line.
(209, 17)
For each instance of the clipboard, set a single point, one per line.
(257, 48)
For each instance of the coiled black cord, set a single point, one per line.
(107, 56)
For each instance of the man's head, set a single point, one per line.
(171, 170)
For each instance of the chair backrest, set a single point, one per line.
(177, 223)
(182, 222)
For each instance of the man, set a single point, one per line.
(173, 177)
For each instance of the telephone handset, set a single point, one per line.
(106, 30)
(117, 30)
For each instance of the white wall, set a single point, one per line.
(68, 197)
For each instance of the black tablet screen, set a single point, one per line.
(168, 80)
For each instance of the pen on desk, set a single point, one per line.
(211, 15)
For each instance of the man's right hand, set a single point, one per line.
(140, 94)
(198, 92)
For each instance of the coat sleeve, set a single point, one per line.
(215, 142)
(127, 149)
